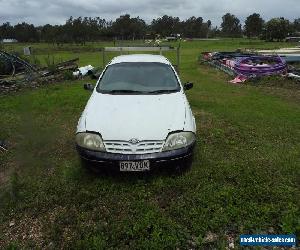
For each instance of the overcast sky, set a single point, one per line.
(57, 11)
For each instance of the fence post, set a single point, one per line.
(178, 57)
(103, 57)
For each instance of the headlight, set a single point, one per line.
(179, 140)
(90, 141)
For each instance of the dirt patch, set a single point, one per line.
(28, 230)
(6, 170)
(167, 196)
(24, 229)
(4, 177)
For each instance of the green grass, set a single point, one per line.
(245, 176)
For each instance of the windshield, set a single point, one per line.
(138, 78)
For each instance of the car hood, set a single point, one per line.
(142, 117)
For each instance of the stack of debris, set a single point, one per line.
(290, 55)
(83, 71)
(294, 72)
(56, 72)
(254, 66)
(3, 146)
(16, 73)
(244, 66)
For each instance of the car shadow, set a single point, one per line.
(99, 172)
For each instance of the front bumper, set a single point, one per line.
(172, 158)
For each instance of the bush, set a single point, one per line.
(5, 68)
(34, 60)
(68, 75)
(50, 62)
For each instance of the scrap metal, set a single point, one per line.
(19, 73)
(246, 65)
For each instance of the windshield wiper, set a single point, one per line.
(163, 91)
(116, 91)
(128, 91)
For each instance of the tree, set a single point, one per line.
(138, 28)
(6, 31)
(231, 26)
(253, 25)
(193, 27)
(25, 32)
(166, 25)
(215, 32)
(129, 28)
(297, 25)
(48, 33)
(277, 29)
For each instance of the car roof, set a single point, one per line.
(140, 58)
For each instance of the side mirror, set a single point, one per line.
(88, 86)
(188, 85)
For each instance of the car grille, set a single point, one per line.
(125, 147)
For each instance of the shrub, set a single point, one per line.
(50, 62)
(68, 75)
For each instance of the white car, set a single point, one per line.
(138, 117)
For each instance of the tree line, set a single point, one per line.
(84, 29)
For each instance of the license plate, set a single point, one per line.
(134, 165)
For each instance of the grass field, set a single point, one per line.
(245, 177)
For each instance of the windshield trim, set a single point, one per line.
(178, 89)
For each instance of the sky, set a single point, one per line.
(40, 12)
